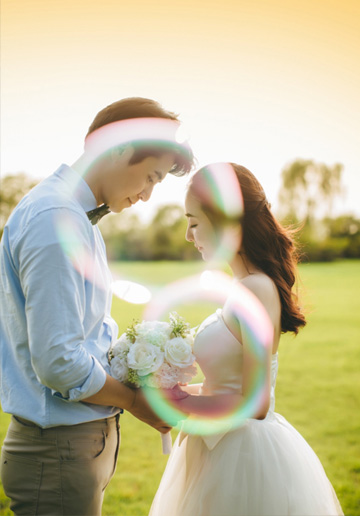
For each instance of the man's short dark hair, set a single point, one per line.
(138, 107)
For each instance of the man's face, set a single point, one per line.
(126, 184)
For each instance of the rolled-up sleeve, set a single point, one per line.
(57, 271)
(93, 383)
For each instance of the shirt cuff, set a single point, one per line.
(93, 383)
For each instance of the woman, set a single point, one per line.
(263, 467)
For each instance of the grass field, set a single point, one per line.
(318, 387)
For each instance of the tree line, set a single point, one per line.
(306, 199)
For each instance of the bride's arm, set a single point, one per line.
(214, 406)
(209, 406)
(193, 388)
(223, 404)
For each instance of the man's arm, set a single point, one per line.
(54, 279)
(116, 394)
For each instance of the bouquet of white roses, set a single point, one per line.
(154, 354)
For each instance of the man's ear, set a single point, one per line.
(122, 153)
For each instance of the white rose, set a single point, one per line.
(121, 346)
(178, 352)
(167, 376)
(119, 369)
(156, 333)
(151, 381)
(187, 374)
(147, 326)
(145, 358)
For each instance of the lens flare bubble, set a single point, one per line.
(131, 292)
(70, 236)
(181, 135)
(217, 287)
(217, 188)
(71, 240)
(168, 134)
(207, 280)
(132, 131)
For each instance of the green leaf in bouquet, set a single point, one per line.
(131, 332)
(180, 328)
(133, 378)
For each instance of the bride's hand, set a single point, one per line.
(175, 394)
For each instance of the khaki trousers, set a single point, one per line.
(57, 471)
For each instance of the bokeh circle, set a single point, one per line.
(216, 286)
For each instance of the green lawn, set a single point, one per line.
(317, 389)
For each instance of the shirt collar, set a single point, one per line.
(77, 186)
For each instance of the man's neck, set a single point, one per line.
(88, 171)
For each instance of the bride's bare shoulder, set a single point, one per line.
(265, 290)
(260, 284)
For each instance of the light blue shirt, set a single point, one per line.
(55, 299)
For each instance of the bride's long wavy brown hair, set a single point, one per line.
(265, 243)
(270, 247)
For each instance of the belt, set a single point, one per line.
(29, 423)
(26, 422)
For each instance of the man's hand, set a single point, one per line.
(141, 410)
(117, 394)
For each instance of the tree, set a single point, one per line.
(309, 188)
(125, 237)
(12, 190)
(167, 234)
(345, 229)
(163, 238)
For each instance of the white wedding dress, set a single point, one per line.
(262, 468)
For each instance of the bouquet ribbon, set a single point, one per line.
(166, 443)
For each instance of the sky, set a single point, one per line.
(256, 82)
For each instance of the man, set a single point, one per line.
(61, 448)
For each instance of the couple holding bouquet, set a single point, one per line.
(66, 377)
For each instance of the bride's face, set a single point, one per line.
(199, 229)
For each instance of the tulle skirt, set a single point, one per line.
(263, 468)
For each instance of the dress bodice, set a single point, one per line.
(220, 357)
(234, 466)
